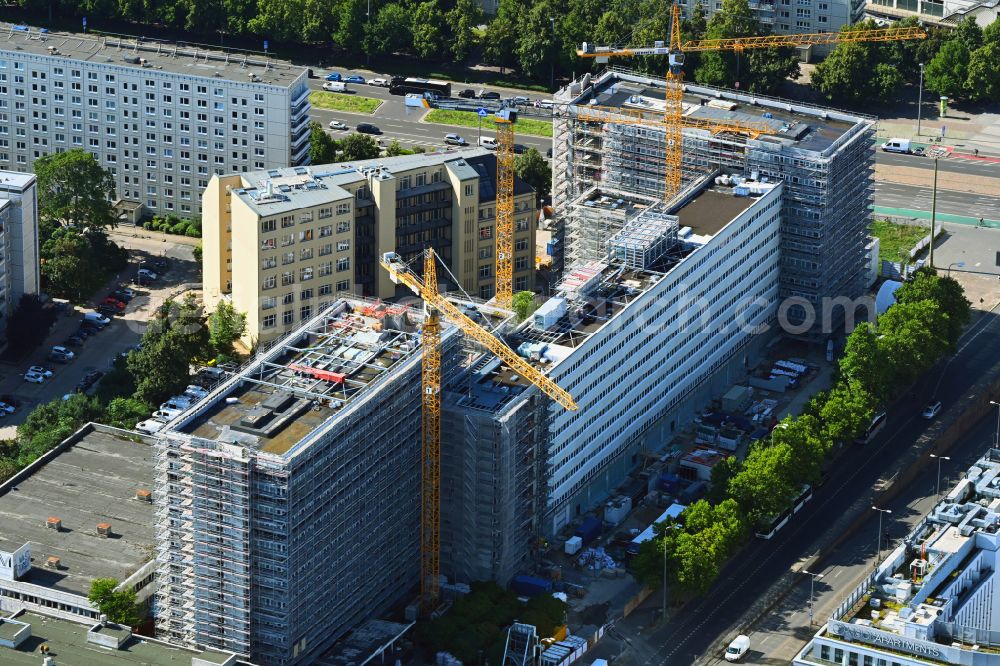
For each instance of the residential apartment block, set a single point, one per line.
(283, 244)
(794, 16)
(946, 13)
(162, 117)
(19, 265)
(642, 337)
(288, 500)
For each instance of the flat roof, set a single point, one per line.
(15, 180)
(68, 645)
(93, 481)
(711, 209)
(365, 643)
(160, 55)
(292, 188)
(308, 378)
(795, 124)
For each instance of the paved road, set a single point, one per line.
(693, 631)
(783, 633)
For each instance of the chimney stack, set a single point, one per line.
(52, 562)
(143, 495)
(53, 523)
(104, 530)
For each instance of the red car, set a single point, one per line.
(115, 302)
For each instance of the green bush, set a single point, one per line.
(193, 231)
(180, 228)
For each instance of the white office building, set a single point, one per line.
(162, 117)
(19, 269)
(934, 599)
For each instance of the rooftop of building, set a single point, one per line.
(275, 191)
(305, 380)
(794, 124)
(149, 55)
(653, 241)
(68, 645)
(15, 180)
(92, 481)
(922, 585)
(368, 641)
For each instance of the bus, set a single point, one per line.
(673, 512)
(878, 422)
(772, 526)
(403, 86)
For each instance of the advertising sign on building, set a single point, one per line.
(16, 564)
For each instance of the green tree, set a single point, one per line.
(968, 33)
(946, 293)
(177, 335)
(983, 82)
(358, 147)
(722, 473)
(501, 35)
(864, 365)
(948, 71)
(805, 438)
(394, 149)
(225, 326)
(537, 46)
(464, 17)
(524, 304)
(50, 423)
(118, 605)
(126, 412)
(430, 30)
(73, 189)
(847, 411)
(322, 147)
(766, 483)
(29, 324)
(351, 19)
(533, 169)
(913, 338)
(390, 31)
(991, 33)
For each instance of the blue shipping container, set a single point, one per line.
(530, 586)
(589, 530)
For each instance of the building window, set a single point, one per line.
(269, 321)
(486, 232)
(521, 244)
(522, 225)
(485, 271)
(325, 289)
(520, 263)
(268, 262)
(485, 252)
(287, 278)
(288, 299)
(287, 317)
(268, 303)
(343, 264)
(343, 208)
(486, 292)
(306, 311)
(306, 274)
(326, 231)
(520, 283)
(343, 227)
(269, 282)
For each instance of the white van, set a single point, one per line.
(150, 426)
(96, 318)
(896, 146)
(488, 142)
(335, 86)
(739, 647)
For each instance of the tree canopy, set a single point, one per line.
(533, 169)
(74, 190)
(118, 605)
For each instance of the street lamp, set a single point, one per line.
(669, 527)
(878, 556)
(960, 264)
(997, 441)
(920, 97)
(939, 459)
(812, 584)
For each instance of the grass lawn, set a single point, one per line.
(895, 239)
(342, 102)
(529, 126)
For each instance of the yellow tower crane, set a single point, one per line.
(674, 115)
(427, 289)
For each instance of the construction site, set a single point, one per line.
(610, 134)
(302, 467)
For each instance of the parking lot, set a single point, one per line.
(98, 351)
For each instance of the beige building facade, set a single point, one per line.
(283, 244)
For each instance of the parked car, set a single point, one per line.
(93, 376)
(520, 148)
(176, 403)
(150, 426)
(124, 293)
(62, 350)
(34, 377)
(109, 310)
(96, 318)
(454, 140)
(338, 125)
(146, 273)
(355, 78)
(381, 83)
(7, 408)
(72, 341)
(488, 142)
(142, 281)
(489, 94)
(467, 93)
(195, 391)
(333, 76)
(111, 300)
(519, 99)
(738, 648)
(368, 128)
(931, 410)
(41, 369)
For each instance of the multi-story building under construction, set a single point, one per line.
(288, 500)
(823, 157)
(643, 336)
